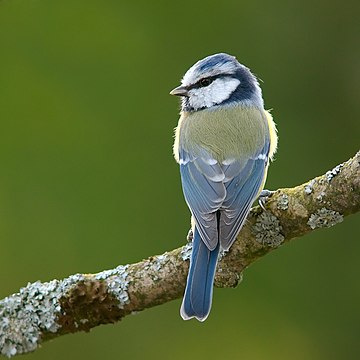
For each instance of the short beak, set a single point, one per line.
(180, 91)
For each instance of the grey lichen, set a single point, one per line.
(118, 283)
(222, 254)
(226, 278)
(321, 196)
(38, 310)
(283, 202)
(267, 230)
(186, 251)
(160, 261)
(324, 218)
(309, 187)
(332, 173)
(33, 310)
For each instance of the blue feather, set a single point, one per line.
(198, 293)
(223, 146)
(241, 192)
(212, 61)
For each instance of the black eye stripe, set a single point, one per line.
(204, 82)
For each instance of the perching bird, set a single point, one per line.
(223, 143)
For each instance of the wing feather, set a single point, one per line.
(230, 187)
(204, 191)
(241, 192)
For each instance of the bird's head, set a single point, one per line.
(218, 80)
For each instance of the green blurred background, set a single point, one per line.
(88, 181)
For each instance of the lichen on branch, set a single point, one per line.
(41, 311)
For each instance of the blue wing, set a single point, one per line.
(241, 192)
(204, 190)
(230, 187)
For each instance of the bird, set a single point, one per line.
(224, 142)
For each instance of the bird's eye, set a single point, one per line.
(205, 82)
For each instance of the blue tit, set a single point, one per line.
(223, 143)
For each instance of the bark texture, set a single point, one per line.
(42, 311)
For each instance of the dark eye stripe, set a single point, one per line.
(204, 82)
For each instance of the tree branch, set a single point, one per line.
(41, 311)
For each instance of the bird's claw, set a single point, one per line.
(190, 236)
(264, 197)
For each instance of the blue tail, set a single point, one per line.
(199, 288)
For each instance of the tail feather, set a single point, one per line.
(199, 288)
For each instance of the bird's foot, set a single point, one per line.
(264, 197)
(190, 236)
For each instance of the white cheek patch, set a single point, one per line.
(215, 93)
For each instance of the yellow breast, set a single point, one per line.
(227, 132)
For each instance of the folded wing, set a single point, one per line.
(230, 186)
